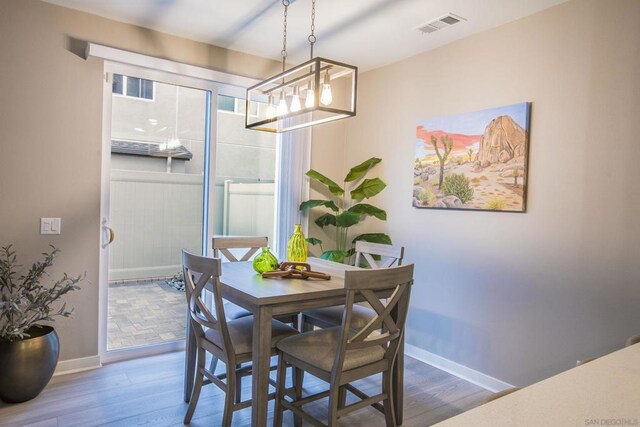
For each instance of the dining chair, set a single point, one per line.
(222, 246)
(346, 353)
(366, 253)
(229, 341)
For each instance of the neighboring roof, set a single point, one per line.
(149, 149)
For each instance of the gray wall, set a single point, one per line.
(50, 137)
(521, 296)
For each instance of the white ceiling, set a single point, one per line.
(365, 33)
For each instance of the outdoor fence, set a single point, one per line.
(156, 215)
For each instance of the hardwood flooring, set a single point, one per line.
(148, 392)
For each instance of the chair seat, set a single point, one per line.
(232, 311)
(241, 334)
(333, 315)
(318, 348)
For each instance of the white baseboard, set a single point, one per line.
(460, 371)
(77, 365)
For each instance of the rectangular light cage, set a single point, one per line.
(317, 91)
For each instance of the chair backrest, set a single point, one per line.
(197, 272)
(389, 254)
(222, 244)
(387, 291)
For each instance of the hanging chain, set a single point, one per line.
(286, 4)
(312, 37)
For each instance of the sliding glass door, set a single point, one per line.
(178, 168)
(245, 173)
(158, 192)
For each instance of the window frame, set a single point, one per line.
(125, 79)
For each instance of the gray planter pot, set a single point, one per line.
(26, 366)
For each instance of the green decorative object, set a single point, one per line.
(297, 248)
(265, 261)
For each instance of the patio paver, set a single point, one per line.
(143, 313)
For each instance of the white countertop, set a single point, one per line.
(603, 392)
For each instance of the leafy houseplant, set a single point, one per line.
(28, 349)
(345, 211)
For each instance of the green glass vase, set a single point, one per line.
(297, 247)
(265, 261)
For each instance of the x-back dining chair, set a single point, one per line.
(389, 255)
(343, 354)
(228, 341)
(222, 246)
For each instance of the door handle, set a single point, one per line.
(107, 234)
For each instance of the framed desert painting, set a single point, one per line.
(473, 161)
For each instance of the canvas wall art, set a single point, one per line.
(473, 161)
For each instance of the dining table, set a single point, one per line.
(266, 298)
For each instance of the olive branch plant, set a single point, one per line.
(346, 209)
(24, 300)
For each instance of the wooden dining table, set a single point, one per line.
(266, 298)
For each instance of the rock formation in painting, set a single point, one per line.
(480, 164)
(503, 140)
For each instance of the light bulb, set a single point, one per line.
(282, 105)
(295, 100)
(311, 98)
(326, 98)
(271, 109)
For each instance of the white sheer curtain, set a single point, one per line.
(294, 160)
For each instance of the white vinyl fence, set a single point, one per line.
(248, 209)
(156, 215)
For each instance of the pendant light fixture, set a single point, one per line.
(328, 88)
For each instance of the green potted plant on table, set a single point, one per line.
(29, 348)
(346, 209)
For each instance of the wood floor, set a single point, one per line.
(148, 391)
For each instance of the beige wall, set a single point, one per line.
(521, 296)
(50, 137)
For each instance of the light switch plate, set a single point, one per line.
(50, 225)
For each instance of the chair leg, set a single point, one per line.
(229, 396)
(238, 385)
(280, 385)
(297, 376)
(342, 397)
(387, 387)
(334, 401)
(213, 365)
(197, 386)
(305, 324)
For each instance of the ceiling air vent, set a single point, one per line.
(440, 23)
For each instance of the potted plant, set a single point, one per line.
(346, 209)
(29, 348)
